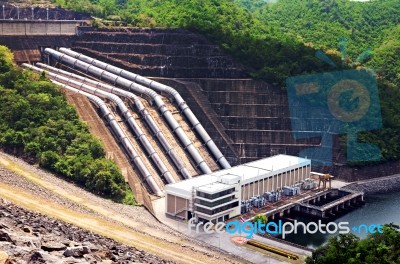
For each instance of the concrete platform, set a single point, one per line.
(223, 241)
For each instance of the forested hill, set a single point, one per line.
(322, 22)
(371, 25)
(369, 32)
(278, 40)
(268, 53)
(37, 123)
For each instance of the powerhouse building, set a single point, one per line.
(217, 196)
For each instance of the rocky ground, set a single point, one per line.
(42, 230)
(28, 237)
(377, 185)
(137, 213)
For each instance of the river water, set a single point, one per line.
(378, 209)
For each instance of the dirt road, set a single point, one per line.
(115, 224)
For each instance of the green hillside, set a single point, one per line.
(365, 25)
(370, 33)
(37, 123)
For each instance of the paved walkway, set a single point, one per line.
(339, 184)
(223, 240)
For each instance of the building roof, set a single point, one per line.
(247, 172)
(214, 187)
(273, 165)
(184, 188)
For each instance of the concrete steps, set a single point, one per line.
(270, 136)
(173, 53)
(141, 152)
(172, 139)
(251, 119)
(145, 48)
(192, 136)
(174, 37)
(157, 147)
(190, 70)
(239, 97)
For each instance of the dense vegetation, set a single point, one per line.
(260, 218)
(369, 25)
(349, 249)
(277, 40)
(37, 123)
(366, 33)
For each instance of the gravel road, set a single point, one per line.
(48, 186)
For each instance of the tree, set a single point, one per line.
(349, 249)
(6, 60)
(260, 218)
(36, 120)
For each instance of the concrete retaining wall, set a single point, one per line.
(38, 28)
(378, 185)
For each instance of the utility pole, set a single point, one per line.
(32, 13)
(47, 10)
(3, 13)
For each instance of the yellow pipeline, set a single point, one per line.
(284, 253)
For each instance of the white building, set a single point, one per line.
(217, 196)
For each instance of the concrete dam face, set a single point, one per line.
(247, 119)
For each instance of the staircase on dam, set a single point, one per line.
(248, 119)
(172, 53)
(256, 117)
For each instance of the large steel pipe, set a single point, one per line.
(140, 108)
(186, 142)
(125, 112)
(162, 89)
(118, 132)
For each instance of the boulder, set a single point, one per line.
(13, 250)
(3, 257)
(4, 214)
(91, 246)
(36, 257)
(27, 229)
(4, 226)
(4, 236)
(76, 252)
(41, 256)
(26, 241)
(53, 246)
(93, 258)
